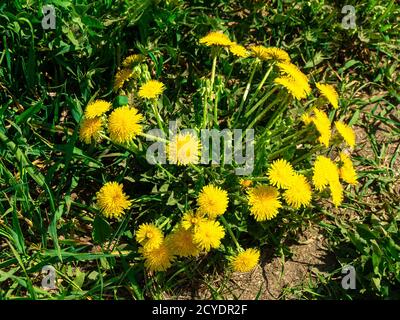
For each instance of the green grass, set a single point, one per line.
(48, 177)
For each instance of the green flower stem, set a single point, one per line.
(158, 117)
(309, 153)
(228, 227)
(260, 85)
(262, 113)
(295, 135)
(216, 110)
(277, 113)
(214, 53)
(205, 112)
(150, 137)
(196, 168)
(213, 68)
(261, 101)
(246, 91)
(273, 155)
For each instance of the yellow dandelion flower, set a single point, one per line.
(151, 89)
(347, 172)
(336, 192)
(292, 71)
(123, 124)
(280, 173)
(299, 192)
(264, 202)
(292, 86)
(121, 77)
(96, 109)
(329, 93)
(347, 133)
(184, 149)
(306, 118)
(90, 130)
(276, 54)
(213, 201)
(181, 243)
(208, 235)
(245, 183)
(112, 201)
(323, 125)
(132, 59)
(216, 39)
(158, 259)
(191, 220)
(259, 52)
(246, 260)
(325, 171)
(149, 236)
(238, 50)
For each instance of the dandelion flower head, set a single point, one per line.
(246, 260)
(280, 173)
(121, 77)
(238, 50)
(299, 192)
(90, 130)
(184, 149)
(181, 243)
(347, 133)
(159, 259)
(264, 202)
(208, 235)
(96, 109)
(212, 201)
(149, 236)
(216, 39)
(124, 124)
(323, 125)
(329, 93)
(112, 201)
(151, 89)
(347, 172)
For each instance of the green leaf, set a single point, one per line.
(101, 230)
